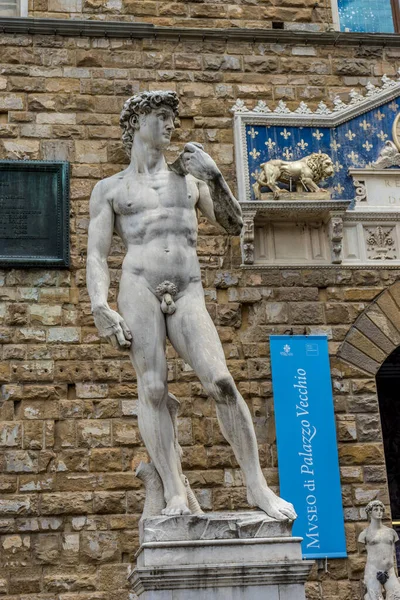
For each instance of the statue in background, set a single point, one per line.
(380, 542)
(152, 206)
(300, 175)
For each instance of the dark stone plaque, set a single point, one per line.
(34, 213)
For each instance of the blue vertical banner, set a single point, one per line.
(306, 440)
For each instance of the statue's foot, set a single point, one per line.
(176, 506)
(275, 507)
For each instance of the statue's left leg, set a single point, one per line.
(392, 586)
(310, 185)
(193, 335)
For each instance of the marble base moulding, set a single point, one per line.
(219, 556)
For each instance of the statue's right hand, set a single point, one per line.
(111, 326)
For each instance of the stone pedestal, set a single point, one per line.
(219, 556)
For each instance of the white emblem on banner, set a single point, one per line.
(286, 350)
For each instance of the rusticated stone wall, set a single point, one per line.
(255, 14)
(70, 502)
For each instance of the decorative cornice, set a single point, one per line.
(75, 27)
(284, 208)
(375, 216)
(97, 28)
(323, 116)
(324, 267)
(188, 577)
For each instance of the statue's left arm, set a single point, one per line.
(216, 200)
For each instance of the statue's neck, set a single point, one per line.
(145, 159)
(375, 524)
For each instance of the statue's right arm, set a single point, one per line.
(362, 537)
(108, 322)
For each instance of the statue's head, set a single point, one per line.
(152, 114)
(321, 165)
(375, 509)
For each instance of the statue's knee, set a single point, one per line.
(154, 390)
(225, 389)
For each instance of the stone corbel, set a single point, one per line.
(247, 237)
(361, 190)
(336, 238)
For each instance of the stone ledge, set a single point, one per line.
(296, 208)
(224, 575)
(95, 28)
(225, 527)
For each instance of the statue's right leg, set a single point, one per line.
(374, 589)
(141, 312)
(272, 173)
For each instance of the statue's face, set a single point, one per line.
(155, 129)
(328, 168)
(377, 512)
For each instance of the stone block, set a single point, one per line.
(39, 370)
(352, 474)
(65, 335)
(126, 432)
(45, 314)
(359, 359)
(99, 546)
(65, 6)
(94, 433)
(20, 149)
(361, 454)
(306, 312)
(61, 503)
(368, 428)
(47, 548)
(30, 334)
(346, 428)
(352, 67)
(364, 344)
(193, 556)
(244, 295)
(260, 64)
(91, 390)
(33, 435)
(18, 505)
(19, 461)
(276, 312)
(11, 102)
(375, 474)
(363, 494)
(229, 315)
(25, 581)
(10, 434)
(91, 152)
(109, 502)
(384, 324)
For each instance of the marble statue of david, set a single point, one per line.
(152, 206)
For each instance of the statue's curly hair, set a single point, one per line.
(143, 104)
(371, 505)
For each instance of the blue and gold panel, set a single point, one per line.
(372, 16)
(355, 143)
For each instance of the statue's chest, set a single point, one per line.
(164, 191)
(380, 537)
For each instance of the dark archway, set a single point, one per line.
(388, 387)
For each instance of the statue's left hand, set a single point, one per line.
(198, 163)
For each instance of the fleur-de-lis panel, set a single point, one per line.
(355, 143)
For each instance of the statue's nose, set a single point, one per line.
(170, 125)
